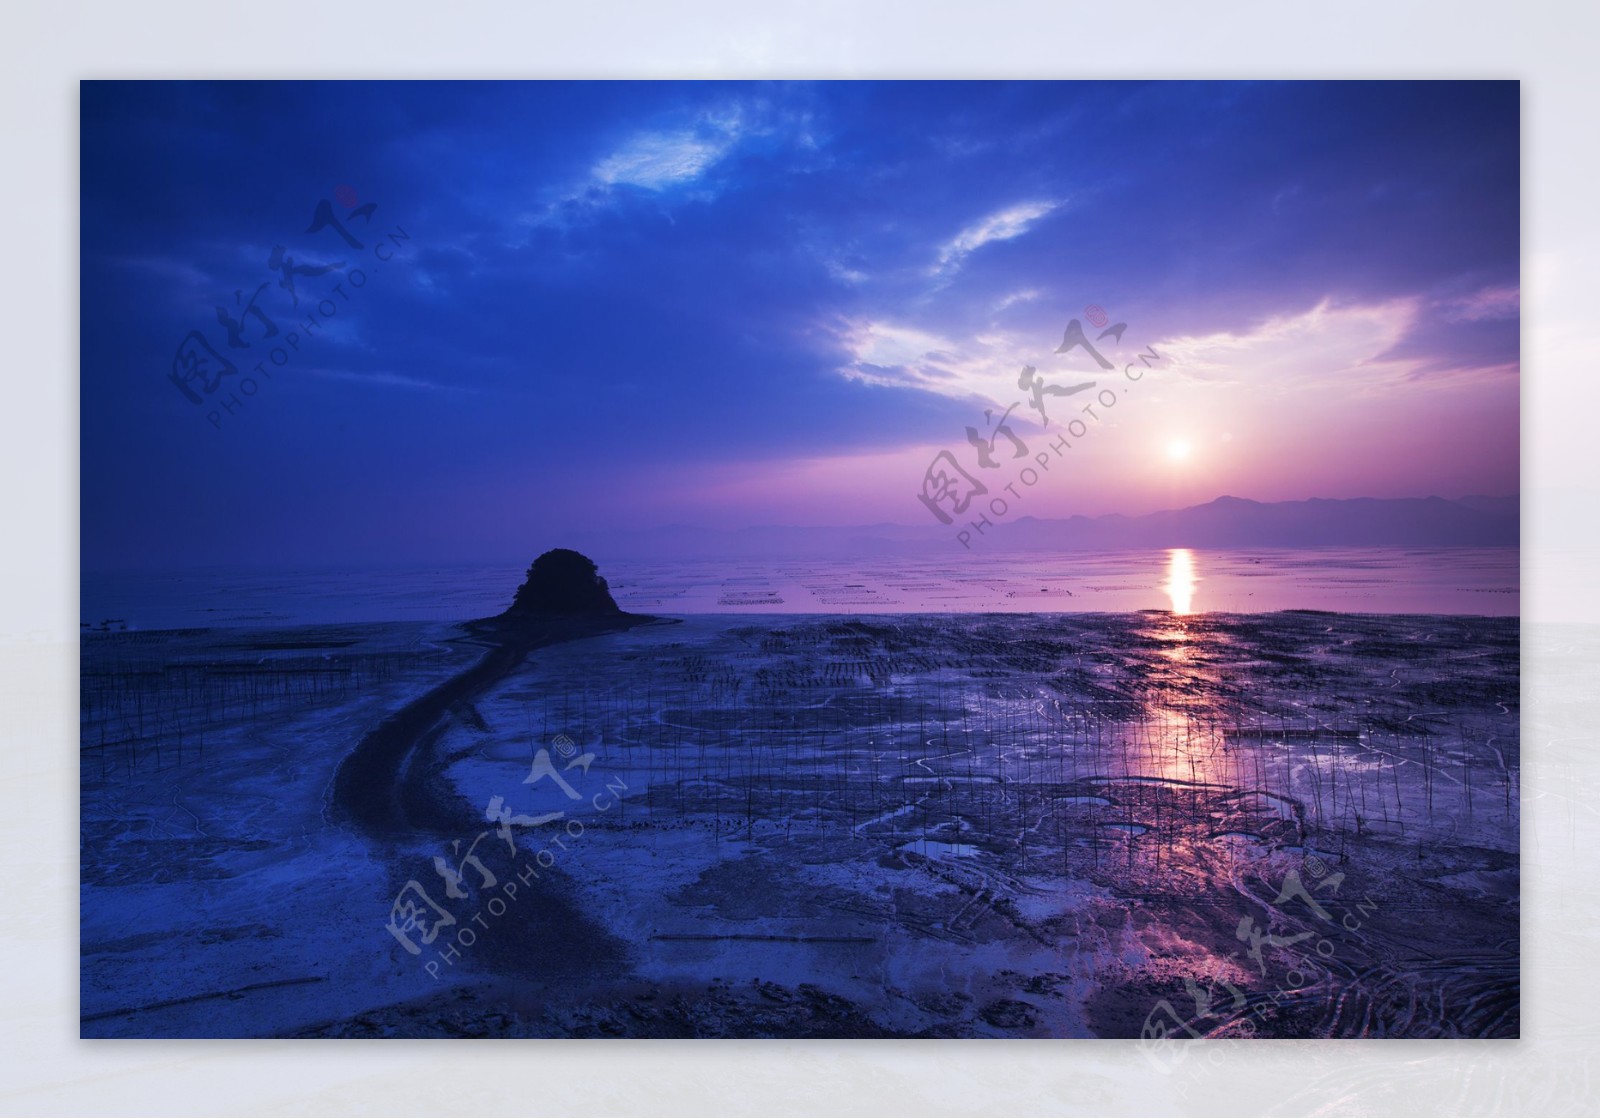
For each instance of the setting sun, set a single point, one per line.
(1178, 450)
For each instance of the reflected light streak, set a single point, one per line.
(1181, 580)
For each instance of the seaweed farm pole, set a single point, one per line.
(1505, 772)
(1288, 759)
(750, 780)
(1399, 807)
(791, 755)
(971, 773)
(1022, 792)
(653, 703)
(844, 783)
(1361, 739)
(1333, 778)
(1373, 740)
(1316, 781)
(872, 758)
(1427, 768)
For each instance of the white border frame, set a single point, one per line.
(46, 49)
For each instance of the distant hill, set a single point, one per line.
(1235, 522)
(1227, 522)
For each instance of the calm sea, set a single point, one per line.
(1351, 580)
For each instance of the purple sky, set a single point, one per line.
(594, 306)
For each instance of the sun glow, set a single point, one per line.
(1178, 450)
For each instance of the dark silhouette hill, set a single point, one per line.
(563, 582)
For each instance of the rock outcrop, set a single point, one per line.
(563, 582)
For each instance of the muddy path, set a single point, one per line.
(379, 790)
(390, 788)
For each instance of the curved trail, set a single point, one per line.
(389, 789)
(377, 788)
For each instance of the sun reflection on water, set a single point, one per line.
(1181, 580)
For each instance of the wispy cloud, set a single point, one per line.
(900, 356)
(671, 158)
(657, 160)
(1002, 225)
(1027, 295)
(1487, 304)
(384, 379)
(843, 273)
(1329, 344)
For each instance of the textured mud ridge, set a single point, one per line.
(1286, 825)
